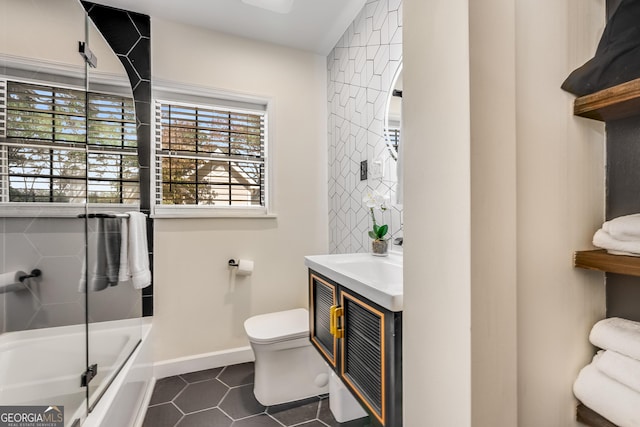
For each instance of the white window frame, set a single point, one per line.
(172, 92)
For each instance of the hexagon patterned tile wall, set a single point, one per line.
(360, 71)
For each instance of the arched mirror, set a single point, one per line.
(393, 116)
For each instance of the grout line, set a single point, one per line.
(182, 414)
(198, 381)
(179, 393)
(178, 408)
(203, 410)
(275, 419)
(229, 416)
(318, 411)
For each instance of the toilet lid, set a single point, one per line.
(279, 326)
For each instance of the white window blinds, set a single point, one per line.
(65, 145)
(209, 156)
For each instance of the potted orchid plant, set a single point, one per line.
(379, 244)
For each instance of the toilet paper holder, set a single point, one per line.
(241, 267)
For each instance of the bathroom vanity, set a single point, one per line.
(355, 309)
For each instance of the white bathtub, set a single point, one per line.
(43, 367)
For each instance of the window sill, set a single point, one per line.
(58, 210)
(188, 212)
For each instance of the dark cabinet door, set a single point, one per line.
(363, 353)
(323, 297)
(363, 344)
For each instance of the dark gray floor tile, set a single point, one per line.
(240, 402)
(165, 415)
(166, 389)
(360, 422)
(325, 415)
(209, 402)
(199, 396)
(262, 420)
(284, 406)
(236, 375)
(295, 414)
(208, 374)
(314, 423)
(209, 418)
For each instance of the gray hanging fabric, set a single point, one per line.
(617, 58)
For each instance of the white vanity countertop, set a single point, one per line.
(376, 278)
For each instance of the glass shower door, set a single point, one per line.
(42, 134)
(114, 306)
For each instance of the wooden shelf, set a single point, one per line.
(614, 103)
(600, 260)
(592, 418)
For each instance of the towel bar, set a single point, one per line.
(34, 273)
(104, 215)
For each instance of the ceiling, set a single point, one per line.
(311, 25)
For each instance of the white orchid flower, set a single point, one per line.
(373, 199)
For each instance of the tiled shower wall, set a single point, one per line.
(56, 247)
(360, 72)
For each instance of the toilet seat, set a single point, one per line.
(276, 327)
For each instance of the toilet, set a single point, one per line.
(287, 367)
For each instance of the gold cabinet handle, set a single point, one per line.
(332, 320)
(338, 313)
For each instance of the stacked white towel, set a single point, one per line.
(620, 236)
(625, 228)
(134, 255)
(610, 384)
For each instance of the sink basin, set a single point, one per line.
(376, 278)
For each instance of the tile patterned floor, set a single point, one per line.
(223, 397)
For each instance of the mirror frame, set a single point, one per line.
(394, 81)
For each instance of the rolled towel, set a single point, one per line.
(619, 367)
(603, 240)
(124, 274)
(626, 227)
(137, 251)
(619, 335)
(614, 401)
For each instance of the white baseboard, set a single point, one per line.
(200, 362)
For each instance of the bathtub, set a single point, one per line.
(43, 367)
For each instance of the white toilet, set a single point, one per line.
(287, 367)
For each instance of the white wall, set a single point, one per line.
(560, 187)
(23, 41)
(22, 44)
(198, 308)
(437, 214)
(490, 140)
(493, 213)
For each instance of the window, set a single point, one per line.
(65, 145)
(393, 135)
(210, 156)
